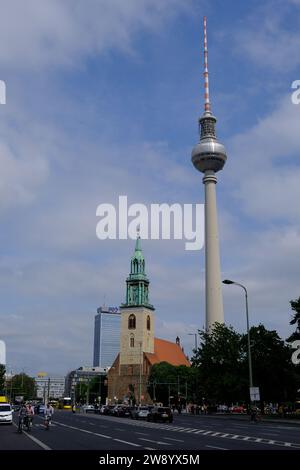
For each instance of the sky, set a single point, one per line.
(103, 99)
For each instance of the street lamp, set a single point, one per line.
(196, 342)
(141, 365)
(227, 281)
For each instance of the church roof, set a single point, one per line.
(166, 351)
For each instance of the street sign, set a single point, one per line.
(19, 398)
(254, 394)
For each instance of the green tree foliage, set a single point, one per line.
(2, 378)
(221, 362)
(220, 365)
(22, 384)
(295, 305)
(273, 370)
(176, 381)
(91, 390)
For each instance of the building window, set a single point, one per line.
(130, 370)
(131, 322)
(148, 323)
(131, 341)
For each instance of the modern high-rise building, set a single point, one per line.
(106, 336)
(209, 157)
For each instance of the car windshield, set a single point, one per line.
(143, 408)
(163, 410)
(5, 408)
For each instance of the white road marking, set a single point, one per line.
(34, 439)
(211, 433)
(129, 443)
(149, 448)
(100, 435)
(141, 433)
(215, 447)
(171, 439)
(156, 442)
(84, 430)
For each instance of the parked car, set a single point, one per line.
(89, 408)
(140, 413)
(108, 409)
(160, 414)
(237, 409)
(5, 413)
(222, 409)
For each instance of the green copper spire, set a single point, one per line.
(137, 282)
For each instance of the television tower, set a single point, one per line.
(209, 156)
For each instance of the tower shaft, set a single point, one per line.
(209, 157)
(213, 286)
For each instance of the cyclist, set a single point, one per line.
(22, 417)
(48, 414)
(254, 414)
(29, 414)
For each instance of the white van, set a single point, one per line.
(5, 413)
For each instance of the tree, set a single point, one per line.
(2, 378)
(221, 365)
(273, 370)
(295, 304)
(92, 390)
(23, 385)
(167, 381)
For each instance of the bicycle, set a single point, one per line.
(21, 425)
(47, 422)
(28, 423)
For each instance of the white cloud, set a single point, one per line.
(263, 170)
(23, 170)
(59, 32)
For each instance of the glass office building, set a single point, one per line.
(106, 336)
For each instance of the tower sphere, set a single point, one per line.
(208, 154)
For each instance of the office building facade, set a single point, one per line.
(106, 336)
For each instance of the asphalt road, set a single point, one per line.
(93, 432)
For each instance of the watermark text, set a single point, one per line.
(155, 222)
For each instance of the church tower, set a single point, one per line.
(137, 314)
(128, 377)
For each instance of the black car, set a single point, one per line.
(160, 413)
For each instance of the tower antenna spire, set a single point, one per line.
(206, 81)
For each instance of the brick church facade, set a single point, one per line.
(139, 349)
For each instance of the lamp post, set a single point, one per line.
(196, 342)
(140, 381)
(227, 281)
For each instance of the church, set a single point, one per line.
(139, 349)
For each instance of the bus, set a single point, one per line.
(65, 403)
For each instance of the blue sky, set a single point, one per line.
(103, 99)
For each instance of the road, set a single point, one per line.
(93, 432)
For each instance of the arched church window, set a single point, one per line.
(132, 341)
(148, 323)
(131, 322)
